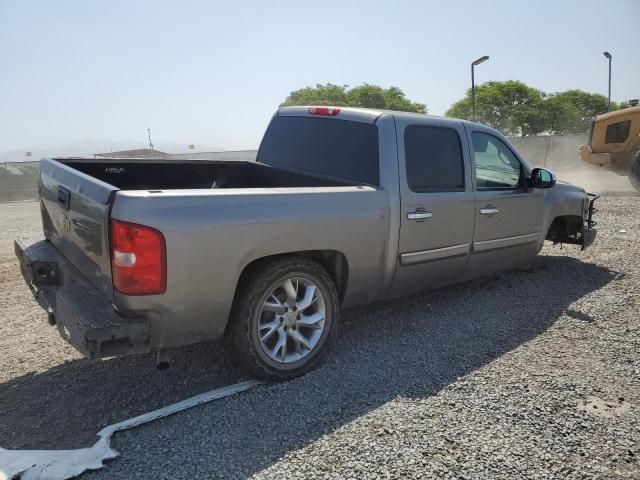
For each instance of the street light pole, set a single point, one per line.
(473, 83)
(608, 55)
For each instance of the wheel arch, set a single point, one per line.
(563, 226)
(333, 261)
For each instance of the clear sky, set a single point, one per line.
(213, 72)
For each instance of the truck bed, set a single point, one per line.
(216, 218)
(159, 174)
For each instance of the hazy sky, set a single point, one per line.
(213, 72)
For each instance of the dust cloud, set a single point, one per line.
(559, 153)
(597, 180)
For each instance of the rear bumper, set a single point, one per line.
(84, 317)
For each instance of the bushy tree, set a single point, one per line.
(560, 115)
(580, 108)
(517, 109)
(511, 107)
(367, 96)
(397, 101)
(328, 94)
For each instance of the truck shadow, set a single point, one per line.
(410, 347)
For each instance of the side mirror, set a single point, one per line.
(542, 178)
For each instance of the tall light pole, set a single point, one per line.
(473, 83)
(608, 55)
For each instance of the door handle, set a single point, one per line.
(419, 215)
(489, 210)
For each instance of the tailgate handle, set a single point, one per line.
(64, 197)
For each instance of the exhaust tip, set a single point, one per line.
(162, 359)
(162, 365)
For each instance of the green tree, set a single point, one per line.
(517, 109)
(329, 94)
(367, 96)
(585, 106)
(397, 101)
(560, 115)
(511, 107)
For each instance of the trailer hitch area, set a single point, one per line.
(45, 274)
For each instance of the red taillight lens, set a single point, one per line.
(138, 259)
(330, 111)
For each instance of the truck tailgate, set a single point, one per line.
(75, 217)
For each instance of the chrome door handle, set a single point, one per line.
(419, 215)
(489, 210)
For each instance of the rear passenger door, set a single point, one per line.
(508, 213)
(437, 204)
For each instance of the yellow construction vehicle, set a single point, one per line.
(614, 142)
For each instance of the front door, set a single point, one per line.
(508, 213)
(437, 204)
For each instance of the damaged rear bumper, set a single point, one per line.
(83, 316)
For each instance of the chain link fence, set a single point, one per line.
(18, 181)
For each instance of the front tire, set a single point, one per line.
(283, 319)
(634, 171)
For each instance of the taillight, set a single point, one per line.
(331, 111)
(138, 259)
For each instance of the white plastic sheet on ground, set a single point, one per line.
(63, 464)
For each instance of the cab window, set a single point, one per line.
(335, 148)
(497, 168)
(618, 132)
(434, 159)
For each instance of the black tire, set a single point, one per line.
(242, 335)
(634, 171)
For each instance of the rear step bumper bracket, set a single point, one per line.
(83, 316)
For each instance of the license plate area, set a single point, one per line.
(45, 274)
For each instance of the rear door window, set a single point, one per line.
(618, 132)
(335, 148)
(433, 158)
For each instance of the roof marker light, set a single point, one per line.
(328, 111)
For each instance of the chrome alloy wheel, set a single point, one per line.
(291, 320)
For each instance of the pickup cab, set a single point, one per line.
(342, 207)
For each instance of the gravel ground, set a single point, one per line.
(529, 374)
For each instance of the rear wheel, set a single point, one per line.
(284, 318)
(634, 171)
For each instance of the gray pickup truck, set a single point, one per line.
(342, 207)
